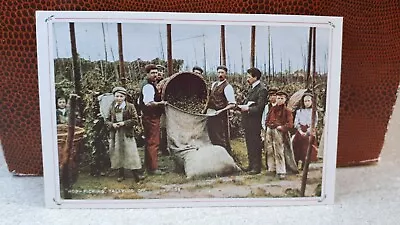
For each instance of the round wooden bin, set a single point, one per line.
(73, 161)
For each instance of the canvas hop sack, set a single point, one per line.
(189, 143)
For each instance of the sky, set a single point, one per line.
(149, 41)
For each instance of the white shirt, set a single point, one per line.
(148, 94)
(255, 83)
(63, 110)
(123, 104)
(265, 114)
(303, 117)
(228, 91)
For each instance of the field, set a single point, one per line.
(96, 177)
(176, 185)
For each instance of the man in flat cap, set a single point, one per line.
(278, 122)
(152, 108)
(198, 70)
(221, 99)
(251, 119)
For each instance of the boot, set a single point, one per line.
(121, 175)
(137, 176)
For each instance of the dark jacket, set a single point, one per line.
(252, 118)
(62, 117)
(130, 118)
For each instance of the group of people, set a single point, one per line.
(266, 110)
(261, 109)
(277, 122)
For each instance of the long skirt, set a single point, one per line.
(123, 151)
(300, 145)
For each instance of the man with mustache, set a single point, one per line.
(152, 108)
(221, 99)
(251, 119)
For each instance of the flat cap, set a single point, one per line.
(282, 93)
(119, 90)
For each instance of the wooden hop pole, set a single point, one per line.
(68, 147)
(309, 59)
(313, 117)
(253, 46)
(222, 49)
(76, 66)
(121, 56)
(169, 50)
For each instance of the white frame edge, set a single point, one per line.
(44, 20)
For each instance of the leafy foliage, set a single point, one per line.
(100, 77)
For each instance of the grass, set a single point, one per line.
(290, 192)
(259, 193)
(239, 149)
(318, 190)
(128, 196)
(200, 186)
(106, 187)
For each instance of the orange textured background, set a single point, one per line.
(370, 69)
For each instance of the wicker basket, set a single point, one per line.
(188, 83)
(62, 133)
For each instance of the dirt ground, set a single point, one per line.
(175, 185)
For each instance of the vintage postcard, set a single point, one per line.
(146, 109)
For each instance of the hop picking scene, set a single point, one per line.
(167, 111)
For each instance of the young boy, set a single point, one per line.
(271, 102)
(278, 122)
(62, 111)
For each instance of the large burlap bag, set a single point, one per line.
(189, 143)
(210, 160)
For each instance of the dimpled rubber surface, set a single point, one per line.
(370, 70)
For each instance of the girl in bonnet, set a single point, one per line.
(124, 126)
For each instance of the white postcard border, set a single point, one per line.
(44, 21)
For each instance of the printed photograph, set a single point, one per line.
(171, 111)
